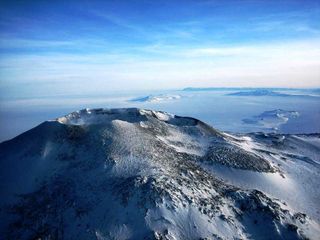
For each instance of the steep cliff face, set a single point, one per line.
(140, 174)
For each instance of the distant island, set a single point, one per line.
(156, 98)
(272, 119)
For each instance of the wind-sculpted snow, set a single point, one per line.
(142, 174)
(236, 157)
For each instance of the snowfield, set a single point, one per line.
(141, 174)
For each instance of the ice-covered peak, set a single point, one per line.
(100, 115)
(132, 115)
(143, 174)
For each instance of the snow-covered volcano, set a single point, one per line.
(140, 174)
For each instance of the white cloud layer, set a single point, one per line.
(283, 64)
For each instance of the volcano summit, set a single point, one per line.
(142, 174)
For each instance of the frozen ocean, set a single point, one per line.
(228, 109)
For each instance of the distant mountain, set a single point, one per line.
(235, 89)
(142, 174)
(193, 89)
(156, 98)
(259, 92)
(265, 92)
(282, 92)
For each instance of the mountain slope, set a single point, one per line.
(140, 174)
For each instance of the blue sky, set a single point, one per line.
(66, 47)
